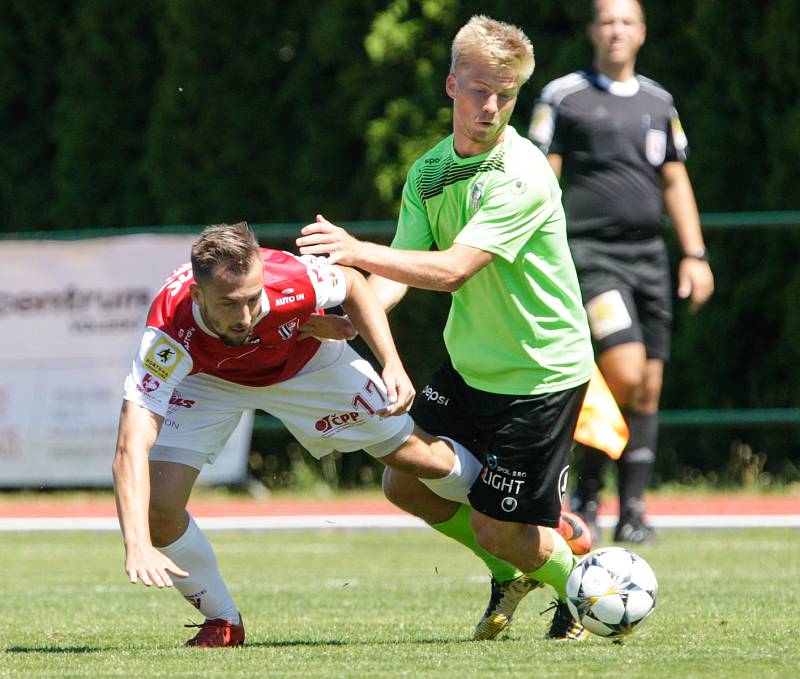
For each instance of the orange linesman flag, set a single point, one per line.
(600, 423)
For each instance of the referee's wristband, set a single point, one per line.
(700, 254)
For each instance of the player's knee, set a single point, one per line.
(395, 487)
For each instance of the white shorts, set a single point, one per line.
(329, 405)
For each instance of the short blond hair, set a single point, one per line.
(497, 43)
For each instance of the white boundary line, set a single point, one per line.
(361, 521)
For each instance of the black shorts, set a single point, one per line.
(524, 442)
(627, 293)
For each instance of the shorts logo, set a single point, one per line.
(491, 461)
(287, 330)
(149, 383)
(509, 504)
(330, 424)
(176, 401)
(501, 481)
(563, 478)
(608, 314)
(162, 358)
(431, 394)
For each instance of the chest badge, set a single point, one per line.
(288, 329)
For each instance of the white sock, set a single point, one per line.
(204, 588)
(455, 486)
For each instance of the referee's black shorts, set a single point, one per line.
(627, 293)
(524, 443)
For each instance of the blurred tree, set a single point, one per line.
(108, 75)
(30, 48)
(259, 112)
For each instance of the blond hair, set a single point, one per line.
(485, 40)
(232, 247)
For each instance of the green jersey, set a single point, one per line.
(518, 325)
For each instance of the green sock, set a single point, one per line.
(557, 568)
(459, 528)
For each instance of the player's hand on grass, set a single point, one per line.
(151, 567)
(399, 389)
(695, 282)
(324, 238)
(328, 326)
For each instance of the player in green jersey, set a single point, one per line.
(517, 336)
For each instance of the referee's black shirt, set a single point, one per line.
(613, 138)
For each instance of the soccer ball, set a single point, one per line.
(611, 590)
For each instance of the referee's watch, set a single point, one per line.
(700, 253)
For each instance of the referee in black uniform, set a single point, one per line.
(615, 140)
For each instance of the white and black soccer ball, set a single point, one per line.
(611, 590)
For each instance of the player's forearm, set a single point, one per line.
(429, 270)
(681, 207)
(388, 292)
(132, 495)
(138, 431)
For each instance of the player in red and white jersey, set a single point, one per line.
(229, 333)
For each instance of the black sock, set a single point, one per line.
(590, 477)
(637, 461)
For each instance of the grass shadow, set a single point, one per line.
(70, 650)
(287, 643)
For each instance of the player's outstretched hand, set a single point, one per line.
(695, 282)
(329, 326)
(151, 567)
(399, 389)
(324, 238)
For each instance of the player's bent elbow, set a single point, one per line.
(454, 279)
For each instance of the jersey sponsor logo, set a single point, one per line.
(287, 291)
(149, 384)
(288, 329)
(331, 424)
(655, 147)
(162, 358)
(288, 299)
(607, 314)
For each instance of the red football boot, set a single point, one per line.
(217, 633)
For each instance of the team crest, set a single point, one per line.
(476, 195)
(655, 147)
(288, 329)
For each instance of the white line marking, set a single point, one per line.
(361, 521)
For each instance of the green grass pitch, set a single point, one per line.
(389, 604)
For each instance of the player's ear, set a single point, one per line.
(196, 293)
(450, 86)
